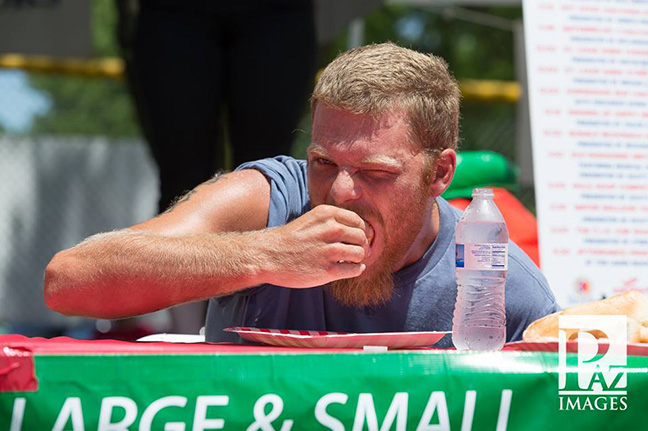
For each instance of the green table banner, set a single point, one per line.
(397, 390)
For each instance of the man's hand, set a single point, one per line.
(326, 244)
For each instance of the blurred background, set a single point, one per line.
(73, 157)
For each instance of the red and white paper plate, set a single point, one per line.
(337, 340)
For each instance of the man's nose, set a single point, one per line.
(344, 187)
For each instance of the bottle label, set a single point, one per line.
(482, 256)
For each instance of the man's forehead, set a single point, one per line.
(384, 136)
(332, 121)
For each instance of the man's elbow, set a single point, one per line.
(57, 286)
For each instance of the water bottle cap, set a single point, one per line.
(482, 192)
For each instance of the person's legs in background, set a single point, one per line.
(178, 67)
(270, 74)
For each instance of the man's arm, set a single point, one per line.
(212, 243)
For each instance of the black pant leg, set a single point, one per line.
(177, 65)
(270, 73)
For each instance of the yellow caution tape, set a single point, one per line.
(111, 68)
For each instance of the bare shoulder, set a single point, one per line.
(232, 202)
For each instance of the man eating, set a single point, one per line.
(355, 239)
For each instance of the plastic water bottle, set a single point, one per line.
(479, 321)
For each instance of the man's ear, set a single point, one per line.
(444, 169)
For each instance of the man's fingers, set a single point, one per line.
(353, 236)
(347, 253)
(351, 219)
(344, 216)
(347, 270)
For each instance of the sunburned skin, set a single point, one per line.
(370, 233)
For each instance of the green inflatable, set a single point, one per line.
(481, 169)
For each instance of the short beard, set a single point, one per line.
(377, 288)
(371, 291)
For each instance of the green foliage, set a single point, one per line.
(104, 19)
(86, 105)
(472, 50)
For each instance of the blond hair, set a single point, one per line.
(375, 79)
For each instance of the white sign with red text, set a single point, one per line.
(587, 65)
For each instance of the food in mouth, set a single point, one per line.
(369, 231)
